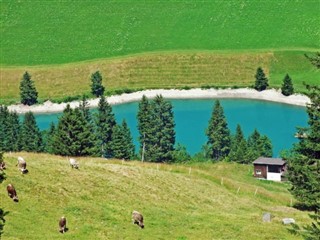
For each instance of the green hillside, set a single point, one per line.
(54, 32)
(98, 200)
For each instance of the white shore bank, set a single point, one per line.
(244, 93)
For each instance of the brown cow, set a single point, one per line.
(12, 192)
(137, 218)
(62, 224)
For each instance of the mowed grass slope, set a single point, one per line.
(98, 200)
(55, 32)
(161, 70)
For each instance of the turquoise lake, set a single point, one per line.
(277, 121)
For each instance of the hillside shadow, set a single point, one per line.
(2, 220)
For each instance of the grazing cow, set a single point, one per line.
(62, 225)
(137, 218)
(74, 163)
(22, 165)
(2, 166)
(12, 192)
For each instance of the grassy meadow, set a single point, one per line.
(98, 199)
(55, 32)
(160, 70)
(154, 44)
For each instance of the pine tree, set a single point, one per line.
(144, 125)
(261, 82)
(304, 164)
(73, 135)
(258, 146)
(84, 108)
(238, 147)
(163, 130)
(31, 139)
(49, 139)
(122, 144)
(314, 59)
(13, 133)
(287, 86)
(105, 121)
(4, 116)
(28, 92)
(218, 133)
(96, 86)
(9, 130)
(156, 127)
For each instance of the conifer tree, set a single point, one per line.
(144, 126)
(156, 127)
(73, 135)
(261, 82)
(84, 108)
(31, 139)
(163, 139)
(49, 139)
(96, 84)
(238, 147)
(258, 146)
(122, 144)
(218, 133)
(4, 116)
(287, 86)
(304, 165)
(13, 136)
(28, 92)
(105, 121)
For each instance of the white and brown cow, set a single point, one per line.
(22, 165)
(137, 218)
(73, 163)
(2, 166)
(12, 192)
(62, 224)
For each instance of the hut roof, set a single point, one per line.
(269, 161)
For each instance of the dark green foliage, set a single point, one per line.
(258, 146)
(261, 82)
(304, 164)
(9, 130)
(122, 144)
(84, 108)
(144, 120)
(218, 133)
(2, 213)
(180, 154)
(287, 86)
(48, 138)
(238, 152)
(28, 92)
(96, 84)
(156, 127)
(105, 121)
(314, 59)
(73, 135)
(31, 138)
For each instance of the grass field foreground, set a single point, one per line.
(98, 200)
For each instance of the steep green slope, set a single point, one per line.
(54, 32)
(98, 200)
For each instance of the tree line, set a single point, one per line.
(80, 132)
(29, 93)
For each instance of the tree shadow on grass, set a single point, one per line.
(2, 220)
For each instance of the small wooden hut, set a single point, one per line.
(269, 168)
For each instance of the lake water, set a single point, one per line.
(277, 121)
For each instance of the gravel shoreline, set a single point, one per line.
(197, 93)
